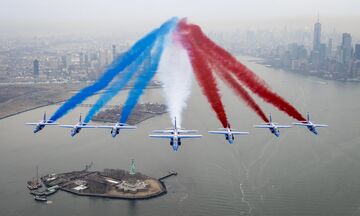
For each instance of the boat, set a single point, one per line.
(51, 190)
(37, 193)
(34, 183)
(47, 192)
(40, 198)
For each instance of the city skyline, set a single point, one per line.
(116, 17)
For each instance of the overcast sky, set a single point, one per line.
(68, 15)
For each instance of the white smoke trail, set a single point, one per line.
(175, 72)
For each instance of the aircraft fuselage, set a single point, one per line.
(275, 131)
(75, 131)
(39, 127)
(312, 129)
(175, 142)
(115, 131)
(230, 138)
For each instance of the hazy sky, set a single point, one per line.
(73, 15)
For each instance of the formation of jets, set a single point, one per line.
(176, 134)
(75, 129)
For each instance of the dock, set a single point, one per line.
(171, 173)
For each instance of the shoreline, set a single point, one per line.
(264, 61)
(29, 109)
(54, 103)
(108, 196)
(66, 182)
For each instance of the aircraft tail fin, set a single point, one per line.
(80, 118)
(308, 116)
(44, 116)
(270, 119)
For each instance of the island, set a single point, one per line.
(109, 183)
(140, 113)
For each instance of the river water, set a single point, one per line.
(296, 174)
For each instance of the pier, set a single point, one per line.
(171, 173)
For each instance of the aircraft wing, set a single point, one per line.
(50, 123)
(86, 126)
(189, 136)
(161, 136)
(320, 125)
(301, 124)
(217, 132)
(105, 126)
(31, 123)
(163, 131)
(263, 126)
(239, 133)
(67, 126)
(283, 126)
(127, 127)
(187, 131)
(225, 132)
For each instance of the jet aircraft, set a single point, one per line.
(115, 129)
(175, 135)
(41, 124)
(311, 126)
(272, 126)
(229, 133)
(77, 127)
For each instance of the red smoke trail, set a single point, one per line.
(243, 74)
(240, 91)
(204, 75)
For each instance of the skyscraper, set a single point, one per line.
(329, 48)
(346, 40)
(66, 60)
(36, 68)
(357, 51)
(322, 51)
(114, 54)
(346, 48)
(317, 36)
(81, 59)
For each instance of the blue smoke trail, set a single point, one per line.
(143, 80)
(116, 67)
(119, 84)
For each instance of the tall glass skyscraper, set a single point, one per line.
(36, 68)
(357, 51)
(317, 36)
